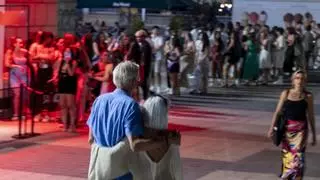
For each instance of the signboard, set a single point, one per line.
(121, 4)
(274, 9)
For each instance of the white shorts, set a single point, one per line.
(159, 66)
(265, 60)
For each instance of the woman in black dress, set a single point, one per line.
(67, 84)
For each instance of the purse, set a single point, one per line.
(279, 128)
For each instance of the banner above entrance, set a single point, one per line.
(151, 4)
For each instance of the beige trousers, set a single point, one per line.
(107, 163)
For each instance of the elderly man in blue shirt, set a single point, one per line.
(116, 128)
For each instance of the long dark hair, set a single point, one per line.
(12, 41)
(176, 43)
(98, 41)
(134, 52)
(221, 45)
(189, 35)
(46, 36)
(205, 41)
(88, 44)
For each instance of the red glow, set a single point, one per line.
(16, 18)
(184, 128)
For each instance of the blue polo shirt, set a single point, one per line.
(113, 117)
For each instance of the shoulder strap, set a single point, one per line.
(306, 93)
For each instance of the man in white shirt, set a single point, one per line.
(159, 63)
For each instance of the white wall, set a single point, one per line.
(275, 9)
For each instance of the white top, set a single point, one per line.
(280, 42)
(158, 42)
(150, 42)
(169, 167)
(201, 56)
(194, 33)
(211, 38)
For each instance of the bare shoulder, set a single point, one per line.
(9, 51)
(109, 66)
(284, 93)
(309, 96)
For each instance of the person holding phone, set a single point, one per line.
(67, 88)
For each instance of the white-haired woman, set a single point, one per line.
(161, 163)
(297, 107)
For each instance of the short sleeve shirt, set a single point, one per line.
(157, 42)
(113, 117)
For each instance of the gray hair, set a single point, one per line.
(125, 75)
(158, 113)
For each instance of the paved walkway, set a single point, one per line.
(221, 139)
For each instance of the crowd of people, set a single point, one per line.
(80, 68)
(118, 71)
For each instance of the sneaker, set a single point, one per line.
(279, 81)
(53, 119)
(61, 126)
(14, 118)
(237, 82)
(72, 130)
(38, 118)
(195, 92)
(158, 90)
(152, 88)
(261, 78)
(46, 118)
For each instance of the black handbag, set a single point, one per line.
(279, 126)
(278, 129)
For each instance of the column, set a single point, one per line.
(2, 41)
(67, 16)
